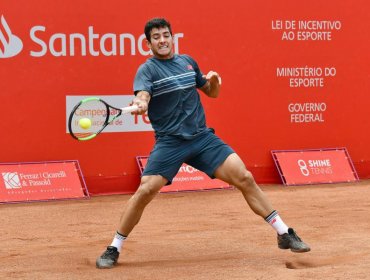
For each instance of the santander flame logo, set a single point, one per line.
(10, 45)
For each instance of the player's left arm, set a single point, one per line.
(212, 87)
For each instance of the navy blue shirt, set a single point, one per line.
(174, 108)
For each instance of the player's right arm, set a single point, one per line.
(141, 100)
(143, 86)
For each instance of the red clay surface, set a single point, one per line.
(200, 235)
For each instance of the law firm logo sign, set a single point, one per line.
(11, 180)
(10, 45)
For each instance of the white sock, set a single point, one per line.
(118, 241)
(277, 223)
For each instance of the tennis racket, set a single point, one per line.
(91, 116)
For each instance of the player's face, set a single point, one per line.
(161, 43)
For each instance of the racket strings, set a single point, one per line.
(113, 114)
(96, 111)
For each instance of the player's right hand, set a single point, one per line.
(141, 101)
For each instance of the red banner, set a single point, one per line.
(314, 166)
(187, 179)
(304, 66)
(41, 181)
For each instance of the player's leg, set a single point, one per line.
(234, 172)
(149, 187)
(164, 162)
(217, 159)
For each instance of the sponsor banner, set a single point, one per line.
(315, 166)
(41, 181)
(124, 123)
(187, 179)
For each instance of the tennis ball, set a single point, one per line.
(84, 123)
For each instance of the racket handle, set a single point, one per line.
(129, 109)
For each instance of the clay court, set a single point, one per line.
(192, 235)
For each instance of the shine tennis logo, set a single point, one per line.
(10, 44)
(303, 167)
(315, 167)
(11, 180)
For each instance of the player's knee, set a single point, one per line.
(146, 192)
(246, 181)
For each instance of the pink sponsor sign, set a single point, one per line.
(315, 166)
(41, 181)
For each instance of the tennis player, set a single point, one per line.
(166, 86)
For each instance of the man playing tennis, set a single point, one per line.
(166, 86)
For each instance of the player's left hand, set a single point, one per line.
(213, 77)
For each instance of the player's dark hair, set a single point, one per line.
(156, 23)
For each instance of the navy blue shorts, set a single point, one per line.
(206, 152)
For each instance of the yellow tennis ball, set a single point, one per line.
(84, 123)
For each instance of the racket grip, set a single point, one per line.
(129, 109)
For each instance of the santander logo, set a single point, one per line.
(10, 45)
(86, 43)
